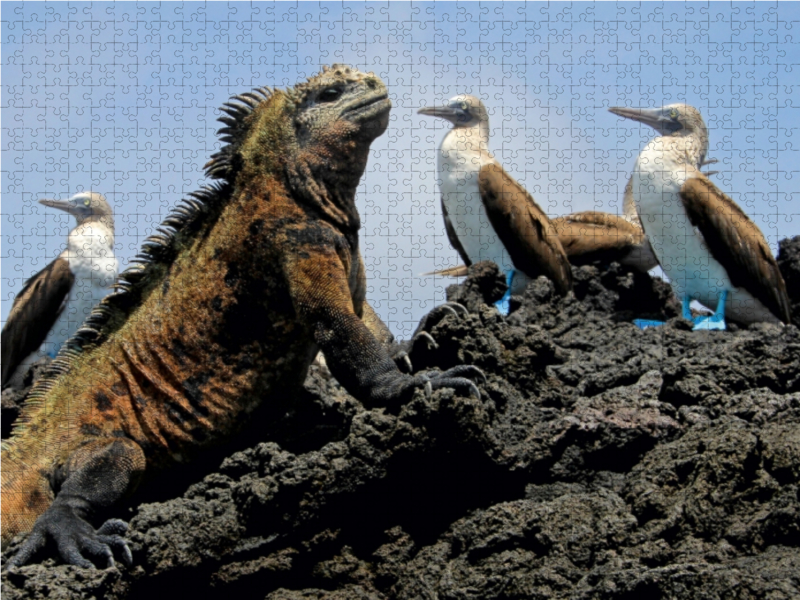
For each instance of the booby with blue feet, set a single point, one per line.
(56, 300)
(488, 215)
(708, 247)
(593, 237)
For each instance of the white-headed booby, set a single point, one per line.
(598, 237)
(708, 247)
(591, 236)
(56, 300)
(488, 215)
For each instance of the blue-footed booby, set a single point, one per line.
(591, 237)
(708, 247)
(56, 300)
(487, 214)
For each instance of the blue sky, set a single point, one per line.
(122, 99)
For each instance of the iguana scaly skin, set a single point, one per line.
(226, 307)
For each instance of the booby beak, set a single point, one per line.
(443, 112)
(78, 206)
(649, 116)
(656, 118)
(64, 205)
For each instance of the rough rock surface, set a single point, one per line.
(788, 251)
(601, 462)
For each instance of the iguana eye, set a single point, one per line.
(330, 94)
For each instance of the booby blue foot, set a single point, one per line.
(686, 308)
(647, 323)
(715, 321)
(504, 305)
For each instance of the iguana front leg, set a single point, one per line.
(320, 290)
(96, 476)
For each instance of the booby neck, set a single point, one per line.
(93, 226)
(669, 153)
(473, 139)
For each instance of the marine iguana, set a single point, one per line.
(230, 301)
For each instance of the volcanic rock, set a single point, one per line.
(601, 461)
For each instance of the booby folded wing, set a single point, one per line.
(35, 310)
(453, 236)
(629, 205)
(593, 236)
(736, 243)
(523, 228)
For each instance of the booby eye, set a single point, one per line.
(330, 94)
(87, 202)
(673, 113)
(464, 106)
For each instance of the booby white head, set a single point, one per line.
(488, 215)
(711, 251)
(56, 300)
(463, 111)
(85, 206)
(682, 124)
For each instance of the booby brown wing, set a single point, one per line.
(629, 204)
(736, 243)
(35, 310)
(593, 236)
(453, 236)
(523, 228)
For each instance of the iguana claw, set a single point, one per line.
(438, 313)
(456, 378)
(454, 308)
(402, 361)
(424, 335)
(75, 538)
(421, 340)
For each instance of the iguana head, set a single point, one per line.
(315, 135)
(339, 105)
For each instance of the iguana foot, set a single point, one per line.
(75, 539)
(422, 340)
(455, 378)
(393, 389)
(437, 314)
(402, 361)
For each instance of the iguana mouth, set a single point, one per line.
(368, 108)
